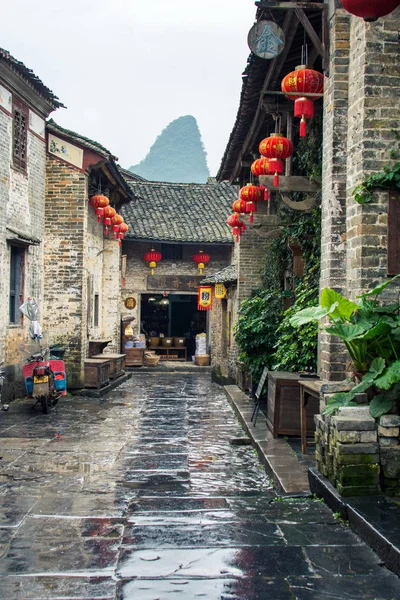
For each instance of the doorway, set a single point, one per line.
(172, 315)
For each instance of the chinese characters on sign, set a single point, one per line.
(204, 301)
(130, 303)
(180, 283)
(220, 291)
(266, 39)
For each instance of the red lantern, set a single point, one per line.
(115, 223)
(152, 258)
(233, 220)
(109, 213)
(276, 148)
(237, 232)
(265, 192)
(260, 167)
(304, 82)
(99, 203)
(123, 228)
(250, 193)
(239, 206)
(201, 259)
(370, 10)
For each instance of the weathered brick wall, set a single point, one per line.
(333, 221)
(65, 281)
(111, 295)
(361, 118)
(22, 209)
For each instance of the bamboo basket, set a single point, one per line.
(151, 360)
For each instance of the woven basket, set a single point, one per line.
(179, 342)
(202, 360)
(152, 360)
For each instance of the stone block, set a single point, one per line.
(372, 448)
(354, 412)
(358, 474)
(355, 490)
(388, 442)
(351, 437)
(389, 420)
(390, 462)
(357, 459)
(354, 424)
(388, 431)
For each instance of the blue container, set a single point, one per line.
(60, 384)
(29, 385)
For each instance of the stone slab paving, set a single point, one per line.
(144, 495)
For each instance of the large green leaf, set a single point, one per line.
(380, 405)
(348, 331)
(313, 313)
(380, 328)
(378, 288)
(344, 309)
(390, 376)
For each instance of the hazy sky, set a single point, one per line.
(126, 68)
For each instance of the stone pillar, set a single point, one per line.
(374, 122)
(111, 293)
(333, 239)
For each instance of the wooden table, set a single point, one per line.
(309, 390)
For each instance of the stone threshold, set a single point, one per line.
(375, 519)
(281, 463)
(99, 393)
(170, 366)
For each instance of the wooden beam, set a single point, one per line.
(289, 27)
(291, 5)
(293, 183)
(301, 15)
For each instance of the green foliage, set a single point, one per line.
(371, 334)
(388, 178)
(177, 155)
(296, 349)
(255, 331)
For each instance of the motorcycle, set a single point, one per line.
(3, 405)
(45, 379)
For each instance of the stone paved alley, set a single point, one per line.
(141, 496)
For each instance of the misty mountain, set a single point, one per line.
(177, 155)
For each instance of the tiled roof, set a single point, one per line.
(180, 212)
(227, 275)
(77, 138)
(30, 77)
(131, 176)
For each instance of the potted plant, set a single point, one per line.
(371, 334)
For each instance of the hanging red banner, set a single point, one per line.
(204, 298)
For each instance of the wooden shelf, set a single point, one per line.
(165, 352)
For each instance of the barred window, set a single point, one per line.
(20, 136)
(171, 251)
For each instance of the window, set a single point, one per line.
(17, 260)
(96, 310)
(171, 251)
(393, 245)
(20, 135)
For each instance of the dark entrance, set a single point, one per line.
(175, 315)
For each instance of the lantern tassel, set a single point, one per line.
(152, 271)
(266, 194)
(251, 219)
(276, 180)
(105, 230)
(303, 127)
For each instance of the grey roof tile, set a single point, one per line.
(180, 212)
(227, 275)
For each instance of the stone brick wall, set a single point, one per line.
(80, 266)
(361, 118)
(22, 209)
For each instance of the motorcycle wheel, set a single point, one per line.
(45, 404)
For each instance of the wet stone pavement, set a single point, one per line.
(141, 496)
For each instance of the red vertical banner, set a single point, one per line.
(204, 298)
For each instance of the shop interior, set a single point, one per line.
(172, 315)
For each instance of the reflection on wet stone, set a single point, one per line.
(141, 496)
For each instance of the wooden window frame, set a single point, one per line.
(393, 233)
(96, 311)
(172, 251)
(20, 136)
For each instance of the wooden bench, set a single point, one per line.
(117, 363)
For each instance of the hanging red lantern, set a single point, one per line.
(276, 148)
(115, 223)
(260, 167)
(123, 228)
(239, 206)
(303, 81)
(250, 193)
(109, 213)
(201, 259)
(99, 202)
(370, 10)
(152, 258)
(237, 225)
